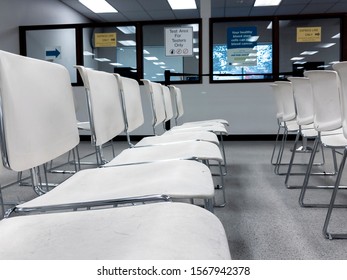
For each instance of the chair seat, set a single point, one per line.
(83, 125)
(309, 133)
(178, 179)
(334, 140)
(175, 151)
(220, 121)
(217, 128)
(153, 231)
(292, 125)
(177, 137)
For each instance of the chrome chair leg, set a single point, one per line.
(332, 205)
(307, 178)
(280, 153)
(221, 186)
(2, 203)
(275, 145)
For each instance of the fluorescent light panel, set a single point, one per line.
(127, 42)
(296, 58)
(182, 4)
(102, 59)
(116, 64)
(98, 6)
(151, 58)
(308, 52)
(127, 29)
(260, 3)
(325, 46)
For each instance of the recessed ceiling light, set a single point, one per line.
(337, 36)
(151, 58)
(182, 4)
(269, 26)
(127, 29)
(297, 58)
(308, 52)
(259, 3)
(116, 64)
(102, 59)
(328, 45)
(98, 6)
(127, 42)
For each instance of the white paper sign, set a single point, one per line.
(179, 41)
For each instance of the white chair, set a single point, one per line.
(160, 231)
(107, 121)
(25, 145)
(327, 121)
(284, 94)
(303, 99)
(32, 116)
(134, 118)
(210, 126)
(179, 110)
(279, 118)
(162, 113)
(29, 110)
(341, 68)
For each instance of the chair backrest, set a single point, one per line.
(326, 99)
(178, 101)
(285, 89)
(341, 68)
(279, 103)
(131, 95)
(303, 98)
(154, 90)
(104, 105)
(167, 103)
(38, 120)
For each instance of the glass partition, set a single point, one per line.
(111, 49)
(241, 50)
(308, 44)
(55, 45)
(173, 47)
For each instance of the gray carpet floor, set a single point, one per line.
(262, 218)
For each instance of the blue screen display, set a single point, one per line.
(222, 66)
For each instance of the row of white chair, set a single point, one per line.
(38, 124)
(118, 108)
(320, 113)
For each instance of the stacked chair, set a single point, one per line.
(320, 106)
(286, 116)
(327, 121)
(106, 117)
(38, 124)
(162, 110)
(341, 69)
(303, 99)
(179, 110)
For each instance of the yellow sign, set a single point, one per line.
(105, 40)
(308, 34)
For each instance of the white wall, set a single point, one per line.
(14, 13)
(250, 108)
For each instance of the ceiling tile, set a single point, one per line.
(237, 12)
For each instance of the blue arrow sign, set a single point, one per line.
(54, 53)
